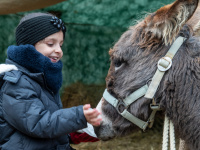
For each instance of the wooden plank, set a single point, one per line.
(14, 6)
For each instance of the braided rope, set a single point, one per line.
(168, 127)
(165, 134)
(172, 136)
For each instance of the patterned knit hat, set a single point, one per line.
(37, 28)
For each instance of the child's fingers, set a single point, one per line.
(86, 106)
(92, 112)
(91, 117)
(96, 121)
(95, 117)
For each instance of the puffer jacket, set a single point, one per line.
(31, 116)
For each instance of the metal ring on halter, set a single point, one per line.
(121, 103)
(164, 63)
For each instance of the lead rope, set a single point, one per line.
(172, 136)
(168, 127)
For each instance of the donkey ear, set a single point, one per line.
(194, 22)
(166, 22)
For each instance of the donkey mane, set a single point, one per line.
(179, 94)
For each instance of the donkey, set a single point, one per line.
(134, 61)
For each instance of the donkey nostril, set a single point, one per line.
(110, 83)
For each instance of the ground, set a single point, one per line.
(151, 140)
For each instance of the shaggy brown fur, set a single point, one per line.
(134, 61)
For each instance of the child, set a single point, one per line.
(31, 113)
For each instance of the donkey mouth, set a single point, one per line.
(104, 132)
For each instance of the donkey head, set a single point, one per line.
(134, 62)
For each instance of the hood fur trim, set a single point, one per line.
(7, 67)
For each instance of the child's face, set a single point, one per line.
(51, 46)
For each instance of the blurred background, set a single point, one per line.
(93, 27)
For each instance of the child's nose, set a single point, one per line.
(58, 49)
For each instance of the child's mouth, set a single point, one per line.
(53, 59)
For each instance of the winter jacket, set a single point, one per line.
(31, 117)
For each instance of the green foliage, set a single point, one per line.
(86, 53)
(93, 26)
(115, 13)
(8, 24)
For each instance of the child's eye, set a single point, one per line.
(50, 44)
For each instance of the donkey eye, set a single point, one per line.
(117, 63)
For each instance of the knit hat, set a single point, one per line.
(37, 28)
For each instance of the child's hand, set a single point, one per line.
(91, 115)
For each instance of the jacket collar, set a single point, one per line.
(39, 77)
